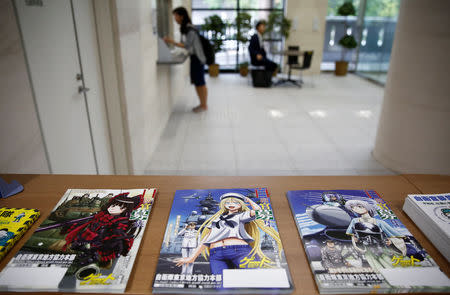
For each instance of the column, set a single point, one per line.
(414, 129)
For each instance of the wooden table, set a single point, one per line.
(44, 191)
(288, 52)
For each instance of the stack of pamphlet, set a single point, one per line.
(14, 222)
(356, 244)
(88, 243)
(431, 213)
(222, 241)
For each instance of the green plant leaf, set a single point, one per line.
(243, 24)
(348, 41)
(278, 25)
(346, 9)
(243, 65)
(216, 26)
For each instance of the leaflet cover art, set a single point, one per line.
(431, 213)
(87, 244)
(355, 243)
(14, 222)
(222, 240)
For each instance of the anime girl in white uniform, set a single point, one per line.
(188, 245)
(232, 235)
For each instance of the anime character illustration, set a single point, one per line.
(373, 237)
(332, 255)
(217, 235)
(446, 212)
(354, 259)
(188, 245)
(106, 236)
(19, 217)
(5, 236)
(375, 253)
(88, 243)
(339, 258)
(232, 235)
(443, 213)
(333, 199)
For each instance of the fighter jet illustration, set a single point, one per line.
(191, 197)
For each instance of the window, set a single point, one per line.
(373, 28)
(233, 52)
(377, 36)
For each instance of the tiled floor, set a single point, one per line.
(328, 127)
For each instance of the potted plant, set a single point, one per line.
(278, 25)
(243, 25)
(243, 69)
(215, 26)
(348, 42)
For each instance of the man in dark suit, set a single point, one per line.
(256, 49)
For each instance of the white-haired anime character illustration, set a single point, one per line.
(373, 236)
(232, 235)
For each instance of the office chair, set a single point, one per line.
(307, 58)
(292, 61)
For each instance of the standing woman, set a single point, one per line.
(191, 42)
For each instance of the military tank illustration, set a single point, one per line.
(50, 237)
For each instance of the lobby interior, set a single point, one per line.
(142, 122)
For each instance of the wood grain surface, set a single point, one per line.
(43, 192)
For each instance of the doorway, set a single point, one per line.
(60, 43)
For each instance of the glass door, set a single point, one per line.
(376, 38)
(373, 28)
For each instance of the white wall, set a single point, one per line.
(308, 28)
(21, 149)
(139, 104)
(179, 74)
(146, 97)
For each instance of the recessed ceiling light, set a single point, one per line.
(318, 114)
(276, 114)
(364, 114)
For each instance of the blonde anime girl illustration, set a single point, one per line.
(232, 236)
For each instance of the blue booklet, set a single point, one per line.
(222, 240)
(356, 244)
